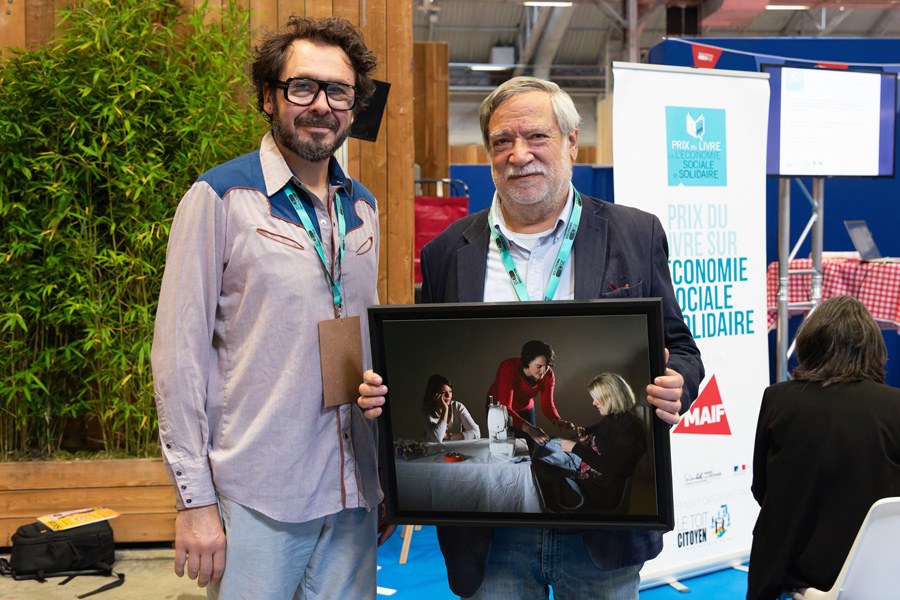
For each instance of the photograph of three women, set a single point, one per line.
(504, 417)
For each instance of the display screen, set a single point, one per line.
(830, 122)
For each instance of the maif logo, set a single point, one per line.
(696, 147)
(721, 522)
(707, 415)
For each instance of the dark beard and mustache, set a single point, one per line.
(314, 150)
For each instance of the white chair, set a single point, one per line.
(872, 569)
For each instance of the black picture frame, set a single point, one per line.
(466, 343)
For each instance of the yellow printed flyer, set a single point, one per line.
(77, 518)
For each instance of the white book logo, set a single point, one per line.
(696, 127)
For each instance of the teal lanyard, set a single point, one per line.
(561, 258)
(317, 242)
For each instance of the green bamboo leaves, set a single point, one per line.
(101, 132)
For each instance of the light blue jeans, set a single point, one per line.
(555, 456)
(332, 557)
(525, 562)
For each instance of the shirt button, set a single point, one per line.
(184, 487)
(178, 472)
(188, 501)
(323, 222)
(168, 445)
(346, 436)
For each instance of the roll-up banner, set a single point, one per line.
(689, 145)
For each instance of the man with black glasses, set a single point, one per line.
(270, 255)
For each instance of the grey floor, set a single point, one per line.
(148, 576)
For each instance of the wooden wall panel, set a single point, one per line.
(401, 146)
(12, 25)
(39, 22)
(432, 109)
(476, 155)
(286, 8)
(16, 476)
(373, 165)
(139, 489)
(349, 9)
(604, 130)
(263, 17)
(468, 155)
(319, 8)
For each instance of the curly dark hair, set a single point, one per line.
(271, 54)
(531, 350)
(840, 341)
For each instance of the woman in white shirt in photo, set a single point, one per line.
(444, 418)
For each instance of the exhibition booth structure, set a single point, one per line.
(832, 115)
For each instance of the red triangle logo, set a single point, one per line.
(707, 414)
(705, 56)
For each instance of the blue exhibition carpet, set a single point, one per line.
(424, 575)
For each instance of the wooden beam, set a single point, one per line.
(401, 146)
(139, 489)
(65, 474)
(319, 8)
(12, 26)
(469, 155)
(432, 109)
(40, 21)
(286, 8)
(263, 17)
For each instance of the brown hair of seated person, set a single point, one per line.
(840, 341)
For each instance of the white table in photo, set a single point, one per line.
(481, 483)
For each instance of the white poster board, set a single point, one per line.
(689, 145)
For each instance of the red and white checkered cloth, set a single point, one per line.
(877, 285)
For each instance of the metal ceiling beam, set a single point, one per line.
(529, 36)
(888, 20)
(832, 24)
(793, 24)
(551, 39)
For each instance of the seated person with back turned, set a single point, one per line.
(600, 464)
(827, 448)
(519, 379)
(443, 417)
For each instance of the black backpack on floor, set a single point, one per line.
(39, 552)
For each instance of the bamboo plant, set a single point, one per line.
(101, 132)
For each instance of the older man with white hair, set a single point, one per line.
(543, 240)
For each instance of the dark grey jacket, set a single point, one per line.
(619, 252)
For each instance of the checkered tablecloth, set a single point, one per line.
(877, 285)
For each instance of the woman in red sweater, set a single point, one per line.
(519, 380)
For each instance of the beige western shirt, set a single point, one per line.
(235, 351)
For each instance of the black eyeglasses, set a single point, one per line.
(303, 92)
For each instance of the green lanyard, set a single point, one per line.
(317, 242)
(561, 258)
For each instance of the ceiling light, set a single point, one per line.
(787, 7)
(546, 3)
(488, 67)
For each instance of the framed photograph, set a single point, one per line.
(523, 414)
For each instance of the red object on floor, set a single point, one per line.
(433, 215)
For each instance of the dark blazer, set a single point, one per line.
(823, 456)
(619, 252)
(619, 441)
